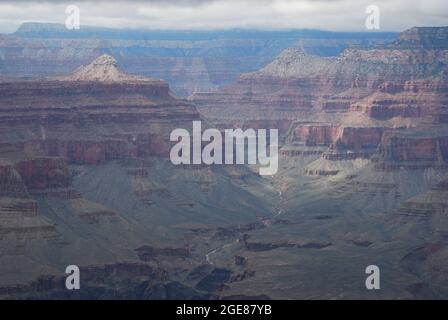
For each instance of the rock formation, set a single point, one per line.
(346, 102)
(54, 130)
(190, 61)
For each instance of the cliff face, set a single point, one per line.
(422, 37)
(412, 152)
(348, 100)
(296, 80)
(97, 93)
(75, 115)
(409, 99)
(44, 173)
(97, 151)
(53, 129)
(314, 135)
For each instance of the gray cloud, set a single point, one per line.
(340, 15)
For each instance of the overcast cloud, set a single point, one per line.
(338, 15)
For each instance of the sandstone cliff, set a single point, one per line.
(345, 102)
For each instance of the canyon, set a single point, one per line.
(189, 61)
(364, 151)
(86, 179)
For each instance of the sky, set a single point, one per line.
(335, 15)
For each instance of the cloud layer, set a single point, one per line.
(338, 15)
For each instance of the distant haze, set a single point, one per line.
(338, 15)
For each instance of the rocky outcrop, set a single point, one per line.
(315, 134)
(353, 138)
(345, 143)
(80, 103)
(153, 144)
(433, 202)
(11, 184)
(359, 138)
(422, 37)
(82, 151)
(294, 151)
(384, 82)
(24, 207)
(43, 173)
(19, 215)
(412, 151)
(96, 114)
(407, 99)
(94, 152)
(385, 105)
(105, 69)
(97, 93)
(19, 220)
